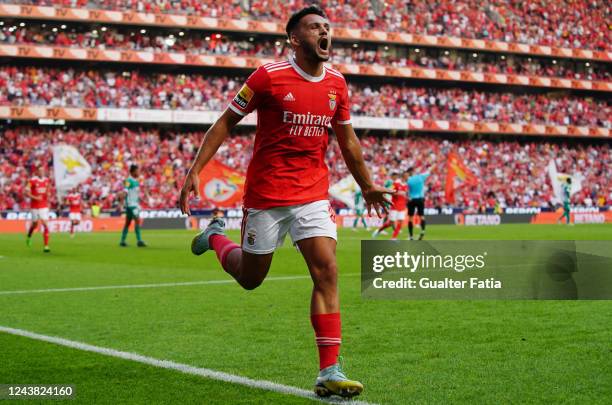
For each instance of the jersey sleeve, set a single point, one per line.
(251, 93)
(343, 113)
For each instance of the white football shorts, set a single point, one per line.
(40, 214)
(395, 215)
(264, 230)
(74, 216)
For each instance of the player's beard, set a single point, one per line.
(311, 51)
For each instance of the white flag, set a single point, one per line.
(344, 191)
(70, 168)
(558, 179)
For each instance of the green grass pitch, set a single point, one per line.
(405, 352)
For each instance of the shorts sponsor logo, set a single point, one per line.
(332, 214)
(251, 234)
(244, 96)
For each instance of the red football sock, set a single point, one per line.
(397, 229)
(46, 234)
(31, 230)
(328, 336)
(222, 245)
(385, 226)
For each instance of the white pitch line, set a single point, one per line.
(159, 285)
(183, 368)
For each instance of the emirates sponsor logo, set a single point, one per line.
(306, 124)
(306, 119)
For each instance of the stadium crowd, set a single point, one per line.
(22, 86)
(194, 42)
(98, 88)
(563, 23)
(510, 173)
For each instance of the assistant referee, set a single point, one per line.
(416, 193)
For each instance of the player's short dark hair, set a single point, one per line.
(569, 180)
(133, 167)
(410, 169)
(298, 15)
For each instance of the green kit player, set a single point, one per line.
(567, 193)
(359, 210)
(131, 196)
(385, 218)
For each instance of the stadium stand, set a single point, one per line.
(195, 42)
(565, 23)
(23, 86)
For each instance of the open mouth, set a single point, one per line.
(324, 44)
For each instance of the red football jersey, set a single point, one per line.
(294, 111)
(74, 202)
(399, 199)
(39, 187)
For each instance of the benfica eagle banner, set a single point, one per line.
(457, 174)
(344, 191)
(221, 185)
(70, 168)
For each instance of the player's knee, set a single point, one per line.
(250, 284)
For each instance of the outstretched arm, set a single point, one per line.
(351, 152)
(212, 140)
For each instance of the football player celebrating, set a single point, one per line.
(286, 188)
(398, 205)
(391, 219)
(73, 200)
(38, 189)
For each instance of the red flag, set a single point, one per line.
(221, 185)
(457, 174)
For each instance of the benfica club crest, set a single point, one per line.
(332, 101)
(251, 234)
